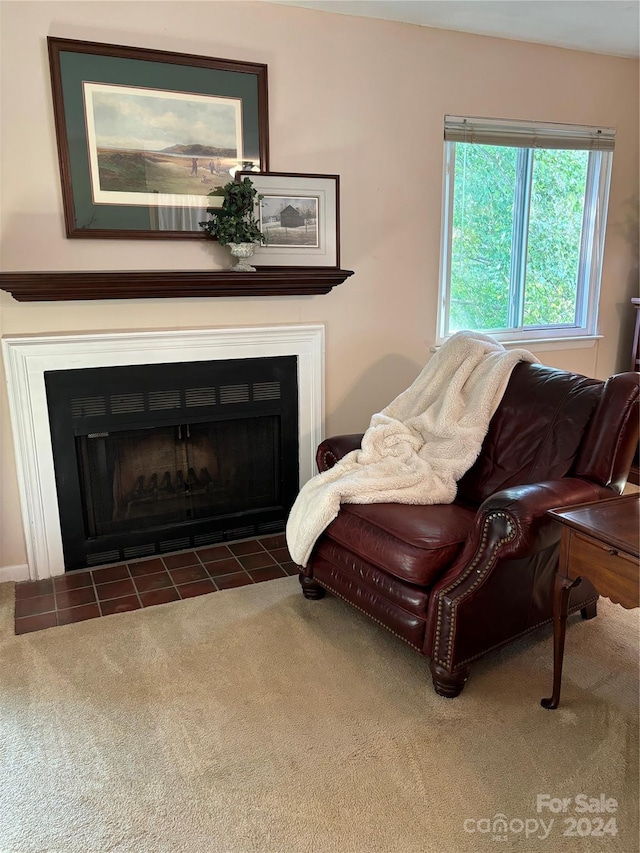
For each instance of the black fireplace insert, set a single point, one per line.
(156, 458)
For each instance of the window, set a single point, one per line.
(523, 228)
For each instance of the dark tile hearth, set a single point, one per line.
(91, 593)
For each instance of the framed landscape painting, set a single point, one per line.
(144, 135)
(299, 217)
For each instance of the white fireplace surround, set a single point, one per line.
(28, 357)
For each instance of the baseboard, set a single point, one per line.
(14, 573)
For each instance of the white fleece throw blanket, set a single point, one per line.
(417, 448)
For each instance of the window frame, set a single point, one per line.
(591, 248)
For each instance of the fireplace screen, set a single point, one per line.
(158, 458)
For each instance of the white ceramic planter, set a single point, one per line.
(242, 251)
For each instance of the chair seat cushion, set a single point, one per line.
(413, 543)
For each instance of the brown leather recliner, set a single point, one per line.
(456, 581)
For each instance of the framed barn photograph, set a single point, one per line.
(299, 217)
(144, 135)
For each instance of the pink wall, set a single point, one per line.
(361, 98)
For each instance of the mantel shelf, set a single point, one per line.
(153, 284)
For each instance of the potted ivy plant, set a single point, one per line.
(234, 224)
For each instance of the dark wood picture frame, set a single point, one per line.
(76, 66)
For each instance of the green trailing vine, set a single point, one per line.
(235, 221)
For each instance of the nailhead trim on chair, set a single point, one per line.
(472, 565)
(467, 660)
(511, 532)
(326, 455)
(368, 615)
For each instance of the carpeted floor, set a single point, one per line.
(254, 721)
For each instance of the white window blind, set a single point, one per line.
(525, 134)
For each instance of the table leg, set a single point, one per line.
(562, 589)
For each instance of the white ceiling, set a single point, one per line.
(598, 26)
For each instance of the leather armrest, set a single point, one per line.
(525, 507)
(513, 524)
(334, 448)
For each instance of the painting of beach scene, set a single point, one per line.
(154, 147)
(289, 221)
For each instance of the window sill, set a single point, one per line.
(554, 344)
(548, 344)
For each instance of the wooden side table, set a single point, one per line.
(599, 542)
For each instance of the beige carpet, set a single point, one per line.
(254, 720)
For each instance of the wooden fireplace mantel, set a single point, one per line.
(146, 284)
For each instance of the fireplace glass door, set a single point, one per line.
(138, 479)
(157, 458)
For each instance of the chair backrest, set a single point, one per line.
(551, 424)
(608, 448)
